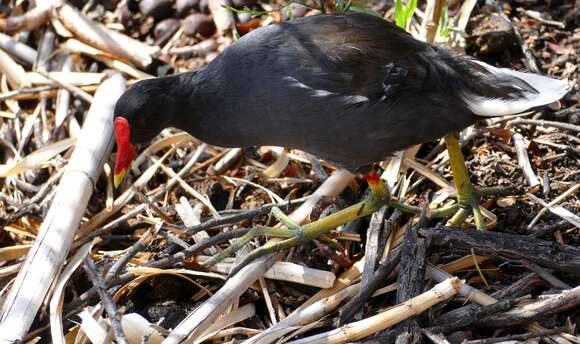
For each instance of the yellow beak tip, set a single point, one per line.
(118, 178)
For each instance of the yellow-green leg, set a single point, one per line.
(295, 234)
(467, 195)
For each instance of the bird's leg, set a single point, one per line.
(467, 195)
(246, 238)
(295, 234)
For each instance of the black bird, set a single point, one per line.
(349, 88)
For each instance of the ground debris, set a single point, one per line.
(144, 245)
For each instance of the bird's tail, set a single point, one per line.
(523, 91)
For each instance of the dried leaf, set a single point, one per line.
(37, 158)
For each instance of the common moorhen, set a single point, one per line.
(349, 88)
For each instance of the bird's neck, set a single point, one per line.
(185, 101)
(198, 105)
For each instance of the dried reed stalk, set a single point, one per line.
(284, 271)
(304, 317)
(79, 47)
(394, 315)
(72, 78)
(14, 72)
(199, 321)
(17, 49)
(48, 253)
(30, 20)
(99, 36)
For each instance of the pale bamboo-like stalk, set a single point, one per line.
(64, 97)
(394, 315)
(557, 210)
(79, 47)
(99, 36)
(524, 161)
(199, 321)
(48, 253)
(284, 271)
(21, 51)
(560, 198)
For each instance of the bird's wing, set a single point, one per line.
(353, 55)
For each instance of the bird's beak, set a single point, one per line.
(125, 150)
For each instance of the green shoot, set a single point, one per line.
(246, 9)
(444, 30)
(403, 13)
(290, 13)
(343, 6)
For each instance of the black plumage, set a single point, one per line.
(349, 88)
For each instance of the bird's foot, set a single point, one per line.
(294, 234)
(468, 202)
(467, 195)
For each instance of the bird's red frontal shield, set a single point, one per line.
(125, 150)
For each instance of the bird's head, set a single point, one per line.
(140, 114)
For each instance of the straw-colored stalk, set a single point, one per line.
(199, 321)
(304, 317)
(79, 47)
(100, 37)
(57, 298)
(524, 160)
(431, 22)
(314, 311)
(30, 20)
(366, 327)
(14, 72)
(48, 253)
(72, 78)
(274, 170)
(426, 172)
(571, 191)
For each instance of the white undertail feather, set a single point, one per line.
(549, 91)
